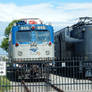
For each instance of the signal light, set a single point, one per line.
(32, 22)
(50, 43)
(17, 44)
(33, 27)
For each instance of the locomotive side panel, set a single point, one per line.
(63, 48)
(88, 41)
(83, 33)
(79, 46)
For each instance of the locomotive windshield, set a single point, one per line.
(23, 36)
(32, 36)
(43, 36)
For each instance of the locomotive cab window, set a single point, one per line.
(23, 36)
(43, 36)
(33, 36)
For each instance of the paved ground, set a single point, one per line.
(72, 85)
(67, 84)
(33, 87)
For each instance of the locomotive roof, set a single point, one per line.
(61, 30)
(83, 21)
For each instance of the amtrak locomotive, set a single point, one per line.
(31, 41)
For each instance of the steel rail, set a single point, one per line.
(54, 87)
(26, 88)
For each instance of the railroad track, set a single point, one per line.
(54, 87)
(25, 86)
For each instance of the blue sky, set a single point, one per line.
(30, 2)
(60, 13)
(12, 9)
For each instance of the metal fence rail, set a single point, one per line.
(70, 74)
(67, 75)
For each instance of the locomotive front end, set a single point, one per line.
(32, 42)
(31, 47)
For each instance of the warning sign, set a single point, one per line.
(2, 68)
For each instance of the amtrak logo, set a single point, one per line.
(34, 49)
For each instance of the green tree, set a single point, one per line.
(4, 43)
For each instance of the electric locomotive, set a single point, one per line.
(73, 47)
(31, 41)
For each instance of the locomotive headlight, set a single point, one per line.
(21, 28)
(27, 28)
(20, 53)
(47, 52)
(17, 65)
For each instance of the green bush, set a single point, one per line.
(4, 84)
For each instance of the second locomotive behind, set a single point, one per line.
(76, 41)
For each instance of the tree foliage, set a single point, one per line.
(4, 43)
(8, 28)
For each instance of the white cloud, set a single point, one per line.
(62, 14)
(73, 6)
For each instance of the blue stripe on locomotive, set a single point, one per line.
(16, 28)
